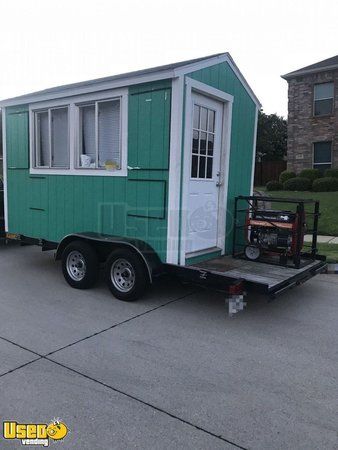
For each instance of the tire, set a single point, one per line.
(126, 275)
(80, 265)
(252, 252)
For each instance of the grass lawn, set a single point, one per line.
(330, 251)
(328, 221)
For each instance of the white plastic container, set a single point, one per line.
(85, 161)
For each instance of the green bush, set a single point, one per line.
(331, 173)
(286, 175)
(311, 174)
(326, 184)
(297, 184)
(274, 185)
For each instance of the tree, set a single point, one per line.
(271, 137)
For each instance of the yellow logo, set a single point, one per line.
(35, 433)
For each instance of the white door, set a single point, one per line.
(204, 180)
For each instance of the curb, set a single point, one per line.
(332, 268)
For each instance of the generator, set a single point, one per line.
(276, 232)
(275, 235)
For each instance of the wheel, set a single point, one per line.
(252, 252)
(80, 265)
(126, 275)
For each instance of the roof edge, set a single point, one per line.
(296, 73)
(129, 79)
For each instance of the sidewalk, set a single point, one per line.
(322, 239)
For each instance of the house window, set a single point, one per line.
(323, 99)
(322, 155)
(51, 138)
(100, 134)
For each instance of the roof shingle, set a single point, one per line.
(326, 64)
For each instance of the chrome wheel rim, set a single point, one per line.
(76, 266)
(122, 275)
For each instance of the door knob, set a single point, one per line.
(219, 183)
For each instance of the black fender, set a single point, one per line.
(144, 250)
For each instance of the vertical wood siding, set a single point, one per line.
(223, 78)
(52, 206)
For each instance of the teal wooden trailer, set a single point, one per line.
(149, 162)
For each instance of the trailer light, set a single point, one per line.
(14, 236)
(236, 289)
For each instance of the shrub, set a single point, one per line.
(297, 184)
(286, 175)
(311, 174)
(331, 173)
(274, 185)
(326, 184)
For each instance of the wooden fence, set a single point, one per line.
(268, 170)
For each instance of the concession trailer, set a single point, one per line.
(139, 173)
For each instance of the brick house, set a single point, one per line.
(313, 116)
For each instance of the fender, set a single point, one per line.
(144, 250)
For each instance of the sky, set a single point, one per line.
(50, 43)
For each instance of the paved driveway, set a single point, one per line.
(170, 371)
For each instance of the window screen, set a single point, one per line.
(322, 155)
(323, 99)
(60, 137)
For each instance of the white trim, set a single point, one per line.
(210, 91)
(226, 99)
(226, 57)
(4, 162)
(254, 153)
(224, 167)
(87, 89)
(202, 252)
(92, 86)
(174, 189)
(72, 103)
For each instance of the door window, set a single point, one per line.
(203, 138)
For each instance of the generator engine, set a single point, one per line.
(270, 231)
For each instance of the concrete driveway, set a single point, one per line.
(170, 371)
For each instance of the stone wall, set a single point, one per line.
(303, 128)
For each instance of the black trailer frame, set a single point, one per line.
(226, 274)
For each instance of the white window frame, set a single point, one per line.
(313, 154)
(95, 103)
(74, 127)
(50, 152)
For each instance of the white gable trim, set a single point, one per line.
(226, 57)
(137, 79)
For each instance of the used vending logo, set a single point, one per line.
(35, 433)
